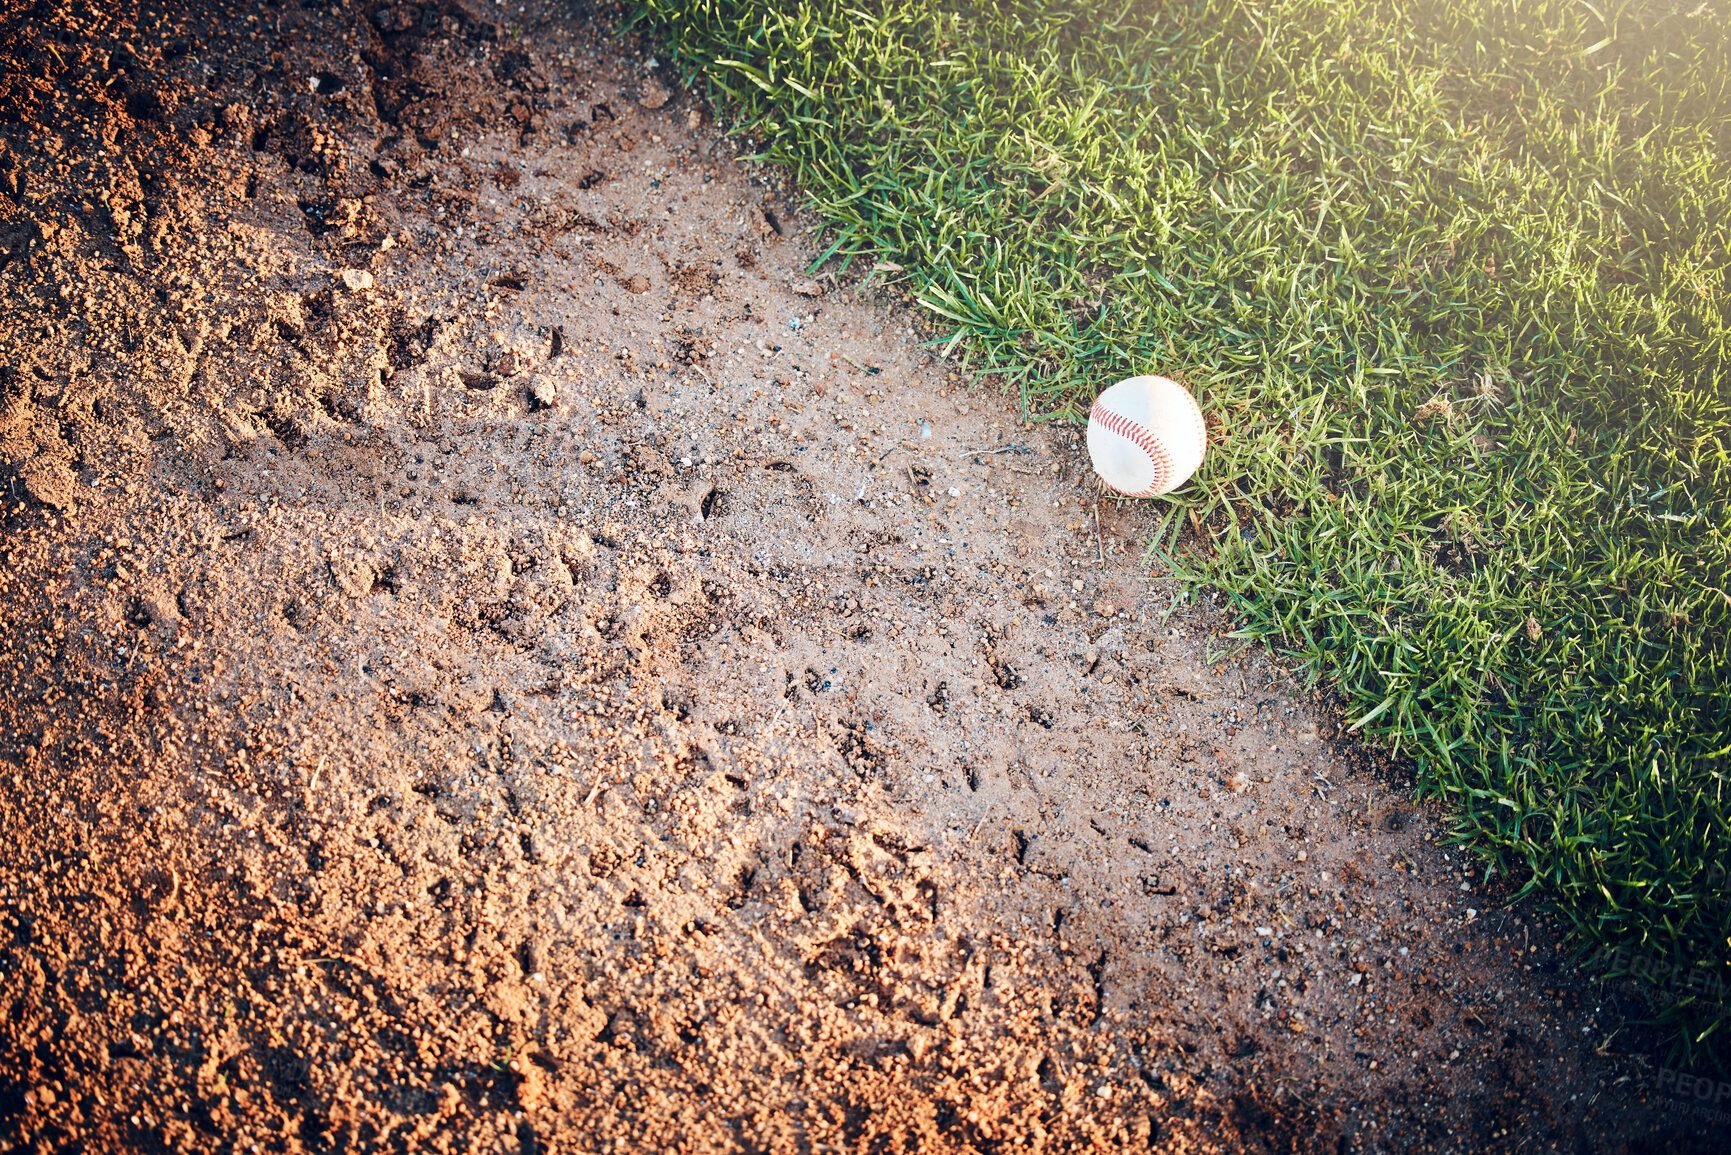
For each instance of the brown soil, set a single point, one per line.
(499, 658)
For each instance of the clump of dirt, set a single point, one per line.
(500, 657)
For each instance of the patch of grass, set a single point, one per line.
(1451, 283)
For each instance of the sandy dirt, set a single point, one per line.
(500, 655)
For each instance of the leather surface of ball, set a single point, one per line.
(1146, 436)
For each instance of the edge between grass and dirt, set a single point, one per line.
(1451, 285)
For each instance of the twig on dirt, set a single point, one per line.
(979, 824)
(316, 769)
(1099, 540)
(593, 790)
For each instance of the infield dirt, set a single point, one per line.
(501, 654)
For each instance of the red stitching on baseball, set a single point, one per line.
(1124, 427)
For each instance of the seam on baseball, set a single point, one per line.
(1115, 422)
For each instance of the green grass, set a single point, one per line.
(1322, 216)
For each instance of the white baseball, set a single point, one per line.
(1146, 436)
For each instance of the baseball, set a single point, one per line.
(1146, 436)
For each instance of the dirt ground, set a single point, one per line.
(500, 655)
